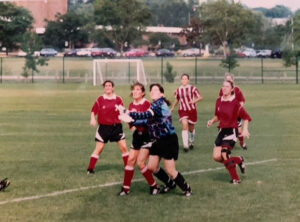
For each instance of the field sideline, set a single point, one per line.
(46, 142)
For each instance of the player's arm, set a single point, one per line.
(93, 120)
(245, 132)
(175, 103)
(197, 95)
(199, 98)
(212, 121)
(247, 118)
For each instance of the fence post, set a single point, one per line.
(1, 71)
(63, 71)
(162, 70)
(195, 69)
(129, 70)
(262, 70)
(297, 61)
(32, 76)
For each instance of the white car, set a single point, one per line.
(264, 53)
(249, 52)
(84, 52)
(191, 52)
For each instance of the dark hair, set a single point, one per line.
(232, 85)
(138, 84)
(106, 81)
(161, 89)
(184, 74)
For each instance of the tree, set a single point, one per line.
(193, 31)
(279, 11)
(66, 28)
(14, 21)
(31, 43)
(170, 74)
(225, 22)
(162, 40)
(122, 21)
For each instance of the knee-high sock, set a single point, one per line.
(181, 182)
(242, 140)
(93, 160)
(128, 175)
(192, 136)
(164, 177)
(125, 158)
(185, 138)
(148, 176)
(231, 167)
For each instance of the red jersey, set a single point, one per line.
(238, 94)
(105, 109)
(141, 106)
(228, 112)
(185, 94)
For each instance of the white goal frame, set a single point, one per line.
(140, 70)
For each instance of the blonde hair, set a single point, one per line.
(229, 74)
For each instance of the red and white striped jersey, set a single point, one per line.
(185, 94)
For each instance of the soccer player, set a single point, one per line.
(4, 184)
(240, 97)
(227, 110)
(165, 145)
(187, 96)
(141, 143)
(110, 127)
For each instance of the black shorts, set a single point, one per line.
(227, 137)
(113, 133)
(141, 140)
(166, 147)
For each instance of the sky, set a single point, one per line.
(292, 4)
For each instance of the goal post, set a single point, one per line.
(121, 71)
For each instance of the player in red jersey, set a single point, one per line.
(110, 127)
(187, 96)
(240, 97)
(141, 143)
(227, 110)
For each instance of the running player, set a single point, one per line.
(187, 96)
(240, 97)
(110, 127)
(227, 110)
(141, 143)
(165, 145)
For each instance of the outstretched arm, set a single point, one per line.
(174, 105)
(212, 121)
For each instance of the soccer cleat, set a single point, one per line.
(244, 146)
(154, 189)
(242, 165)
(166, 189)
(191, 146)
(235, 181)
(4, 184)
(188, 191)
(124, 192)
(186, 149)
(90, 171)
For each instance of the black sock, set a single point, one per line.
(181, 182)
(164, 177)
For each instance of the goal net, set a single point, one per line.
(121, 71)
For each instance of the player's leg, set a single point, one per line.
(123, 147)
(217, 154)
(170, 166)
(184, 133)
(95, 156)
(241, 138)
(191, 135)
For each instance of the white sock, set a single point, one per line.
(192, 136)
(185, 138)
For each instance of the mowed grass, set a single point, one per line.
(46, 142)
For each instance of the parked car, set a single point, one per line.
(264, 53)
(277, 53)
(21, 53)
(83, 52)
(48, 52)
(103, 52)
(72, 52)
(136, 53)
(164, 52)
(191, 52)
(249, 52)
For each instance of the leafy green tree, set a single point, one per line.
(170, 74)
(162, 40)
(14, 21)
(225, 22)
(32, 42)
(66, 28)
(279, 11)
(122, 21)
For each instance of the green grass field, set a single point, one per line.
(46, 142)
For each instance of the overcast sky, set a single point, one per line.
(292, 4)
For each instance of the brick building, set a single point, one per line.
(42, 9)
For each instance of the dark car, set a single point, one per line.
(276, 54)
(72, 52)
(164, 52)
(48, 52)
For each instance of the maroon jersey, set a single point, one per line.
(105, 109)
(141, 106)
(185, 94)
(228, 112)
(238, 94)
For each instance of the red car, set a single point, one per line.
(136, 53)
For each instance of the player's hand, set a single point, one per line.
(209, 123)
(132, 129)
(93, 122)
(245, 133)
